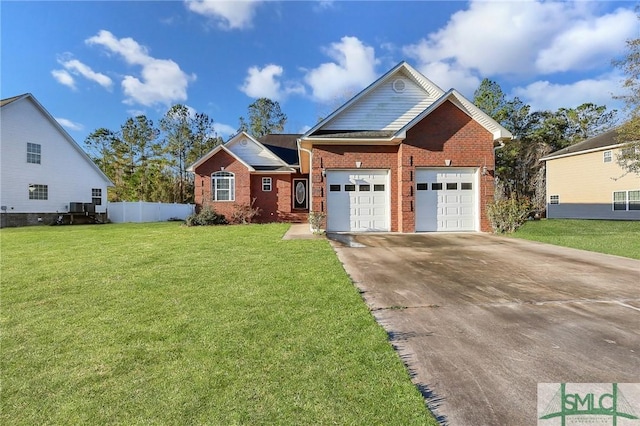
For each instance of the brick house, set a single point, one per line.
(245, 170)
(401, 156)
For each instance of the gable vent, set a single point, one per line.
(398, 85)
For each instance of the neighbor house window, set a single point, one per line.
(223, 186)
(34, 152)
(96, 196)
(606, 156)
(266, 184)
(38, 192)
(626, 200)
(554, 199)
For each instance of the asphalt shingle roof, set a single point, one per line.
(603, 140)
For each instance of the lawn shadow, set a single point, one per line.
(432, 399)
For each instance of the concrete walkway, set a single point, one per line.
(301, 231)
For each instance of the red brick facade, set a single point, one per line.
(445, 134)
(275, 205)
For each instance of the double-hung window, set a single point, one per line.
(626, 200)
(38, 192)
(266, 184)
(96, 196)
(223, 186)
(34, 153)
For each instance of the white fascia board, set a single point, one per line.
(64, 133)
(499, 133)
(273, 172)
(204, 158)
(586, 151)
(260, 145)
(213, 152)
(393, 140)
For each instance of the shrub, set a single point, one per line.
(244, 213)
(207, 216)
(316, 219)
(508, 214)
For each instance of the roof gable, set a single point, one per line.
(28, 97)
(392, 105)
(386, 105)
(249, 152)
(498, 132)
(253, 152)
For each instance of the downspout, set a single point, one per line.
(300, 148)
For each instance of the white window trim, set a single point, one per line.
(627, 200)
(38, 191)
(552, 197)
(267, 184)
(607, 156)
(219, 176)
(36, 155)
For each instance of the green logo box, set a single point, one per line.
(576, 404)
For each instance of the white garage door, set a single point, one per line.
(446, 199)
(357, 200)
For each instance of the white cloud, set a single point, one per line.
(78, 68)
(69, 124)
(509, 38)
(263, 83)
(584, 44)
(63, 77)
(448, 76)
(229, 15)
(354, 68)
(224, 130)
(162, 81)
(544, 95)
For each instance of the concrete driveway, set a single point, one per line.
(480, 320)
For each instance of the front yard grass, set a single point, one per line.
(621, 238)
(164, 324)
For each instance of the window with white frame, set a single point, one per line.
(554, 199)
(34, 153)
(626, 200)
(266, 184)
(606, 156)
(38, 192)
(223, 186)
(96, 196)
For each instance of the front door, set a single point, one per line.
(300, 198)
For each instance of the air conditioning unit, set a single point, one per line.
(89, 208)
(76, 208)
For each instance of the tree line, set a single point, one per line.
(148, 162)
(519, 172)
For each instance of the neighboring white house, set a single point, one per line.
(44, 173)
(584, 181)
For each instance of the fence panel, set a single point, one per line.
(142, 211)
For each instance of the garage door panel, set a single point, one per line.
(446, 200)
(366, 206)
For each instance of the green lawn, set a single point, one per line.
(164, 324)
(621, 238)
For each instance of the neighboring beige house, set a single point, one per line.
(584, 181)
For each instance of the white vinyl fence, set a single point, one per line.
(141, 211)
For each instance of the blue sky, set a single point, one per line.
(93, 64)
